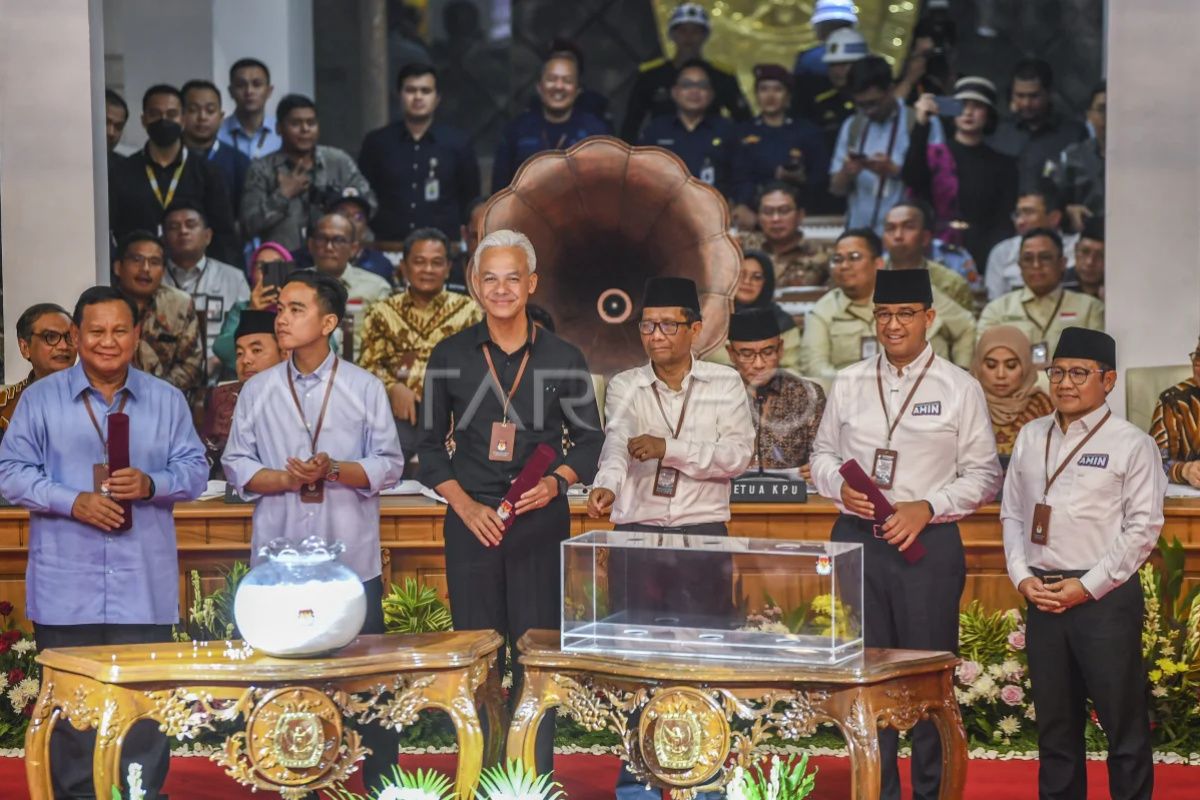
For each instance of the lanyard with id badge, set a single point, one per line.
(313, 492)
(433, 190)
(666, 479)
(1039, 528)
(504, 433)
(1040, 353)
(883, 469)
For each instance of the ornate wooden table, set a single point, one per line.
(293, 738)
(673, 717)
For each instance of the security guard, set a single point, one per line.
(1042, 308)
(829, 107)
(811, 69)
(703, 140)
(919, 426)
(839, 329)
(774, 146)
(1082, 510)
(688, 28)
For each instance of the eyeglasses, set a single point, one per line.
(904, 315)
(139, 259)
(749, 356)
(1194, 356)
(853, 258)
(325, 241)
(1044, 259)
(52, 338)
(668, 327)
(1078, 375)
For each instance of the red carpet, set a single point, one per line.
(587, 777)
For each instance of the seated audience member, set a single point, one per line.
(44, 336)
(116, 114)
(987, 180)
(780, 214)
(786, 408)
(1079, 171)
(703, 140)
(355, 208)
(907, 234)
(1176, 427)
(775, 147)
(202, 117)
(756, 290)
(557, 125)
(247, 129)
(872, 145)
(170, 346)
(424, 172)
(840, 328)
(1037, 209)
(262, 298)
(400, 332)
(1003, 365)
(1036, 133)
(215, 287)
(163, 173)
(257, 350)
(287, 191)
(331, 243)
(1042, 307)
(1087, 275)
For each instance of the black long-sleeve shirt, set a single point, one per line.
(556, 393)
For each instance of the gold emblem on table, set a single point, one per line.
(293, 736)
(684, 736)
(298, 740)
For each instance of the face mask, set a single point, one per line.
(164, 132)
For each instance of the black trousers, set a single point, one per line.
(510, 588)
(913, 606)
(71, 750)
(384, 742)
(1093, 650)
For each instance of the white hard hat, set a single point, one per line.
(689, 12)
(845, 45)
(834, 10)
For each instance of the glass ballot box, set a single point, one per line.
(712, 597)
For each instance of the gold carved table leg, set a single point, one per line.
(37, 739)
(852, 712)
(539, 694)
(948, 719)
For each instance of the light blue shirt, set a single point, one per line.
(78, 574)
(264, 141)
(874, 139)
(267, 430)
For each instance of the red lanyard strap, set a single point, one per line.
(892, 425)
(487, 356)
(1050, 479)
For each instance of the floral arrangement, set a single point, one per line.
(784, 780)
(211, 616)
(823, 616)
(511, 781)
(421, 785)
(20, 678)
(991, 682)
(134, 780)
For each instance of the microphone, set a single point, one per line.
(533, 471)
(118, 458)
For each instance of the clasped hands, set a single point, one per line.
(1054, 598)
(104, 512)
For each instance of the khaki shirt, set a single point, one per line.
(1036, 318)
(802, 264)
(835, 330)
(398, 336)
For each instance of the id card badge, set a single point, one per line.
(666, 481)
(313, 492)
(215, 308)
(709, 175)
(1039, 528)
(504, 438)
(100, 477)
(869, 348)
(1040, 354)
(883, 469)
(432, 190)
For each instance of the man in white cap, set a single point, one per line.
(688, 29)
(811, 69)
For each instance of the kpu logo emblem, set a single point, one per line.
(933, 409)
(1099, 460)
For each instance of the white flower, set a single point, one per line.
(20, 695)
(397, 793)
(996, 671)
(965, 697)
(134, 779)
(3, 681)
(986, 688)
(24, 646)
(1012, 669)
(1029, 713)
(1159, 691)
(1010, 726)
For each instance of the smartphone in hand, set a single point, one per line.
(276, 273)
(948, 106)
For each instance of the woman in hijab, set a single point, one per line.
(1003, 364)
(756, 289)
(261, 298)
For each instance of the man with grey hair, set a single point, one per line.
(508, 387)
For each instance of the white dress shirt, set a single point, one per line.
(714, 445)
(215, 287)
(946, 451)
(1106, 506)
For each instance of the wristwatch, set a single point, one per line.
(153, 489)
(562, 484)
(335, 472)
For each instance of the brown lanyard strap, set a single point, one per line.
(1053, 316)
(96, 423)
(1050, 479)
(487, 356)
(324, 403)
(682, 412)
(883, 401)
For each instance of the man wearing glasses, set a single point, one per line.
(44, 336)
(332, 243)
(677, 430)
(1043, 308)
(703, 140)
(780, 213)
(919, 426)
(1082, 511)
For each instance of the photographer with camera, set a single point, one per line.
(288, 190)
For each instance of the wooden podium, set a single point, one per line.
(293, 738)
(673, 717)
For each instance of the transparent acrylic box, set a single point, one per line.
(712, 597)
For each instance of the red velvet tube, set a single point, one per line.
(533, 471)
(118, 458)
